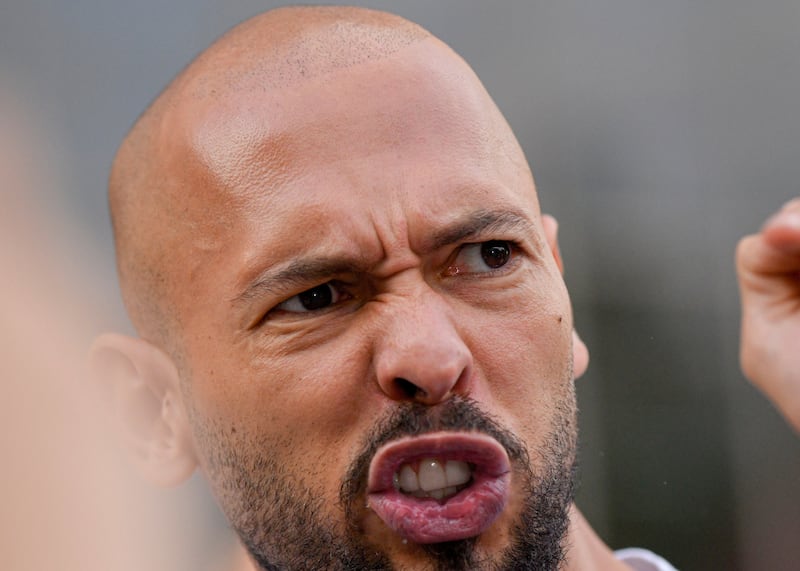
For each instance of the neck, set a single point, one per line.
(585, 550)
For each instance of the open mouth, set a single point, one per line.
(439, 487)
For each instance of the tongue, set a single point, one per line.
(466, 514)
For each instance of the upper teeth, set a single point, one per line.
(433, 478)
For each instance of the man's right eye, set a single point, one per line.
(315, 299)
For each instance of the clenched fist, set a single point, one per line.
(768, 266)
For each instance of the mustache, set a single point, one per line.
(413, 419)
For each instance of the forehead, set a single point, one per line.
(411, 140)
(256, 138)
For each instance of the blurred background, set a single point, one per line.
(658, 133)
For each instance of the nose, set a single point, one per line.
(420, 355)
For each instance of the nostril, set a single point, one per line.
(409, 389)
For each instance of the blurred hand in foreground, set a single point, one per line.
(768, 267)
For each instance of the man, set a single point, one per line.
(350, 309)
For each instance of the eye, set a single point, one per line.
(482, 257)
(315, 299)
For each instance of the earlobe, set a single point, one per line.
(580, 353)
(580, 356)
(141, 387)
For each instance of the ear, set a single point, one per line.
(580, 354)
(141, 385)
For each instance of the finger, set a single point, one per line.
(776, 249)
(782, 230)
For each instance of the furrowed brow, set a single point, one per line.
(297, 273)
(307, 272)
(481, 223)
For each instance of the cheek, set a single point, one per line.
(525, 355)
(306, 410)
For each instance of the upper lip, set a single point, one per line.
(486, 456)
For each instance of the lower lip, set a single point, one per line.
(466, 514)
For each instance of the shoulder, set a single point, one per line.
(643, 560)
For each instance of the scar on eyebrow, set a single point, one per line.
(308, 271)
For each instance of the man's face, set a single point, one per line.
(370, 306)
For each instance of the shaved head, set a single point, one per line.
(147, 189)
(330, 241)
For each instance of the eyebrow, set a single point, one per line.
(480, 223)
(307, 271)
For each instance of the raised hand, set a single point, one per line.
(768, 266)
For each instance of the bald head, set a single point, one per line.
(221, 124)
(272, 51)
(326, 220)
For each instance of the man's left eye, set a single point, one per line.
(482, 257)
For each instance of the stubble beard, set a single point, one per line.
(284, 524)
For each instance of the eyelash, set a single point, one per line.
(513, 255)
(343, 292)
